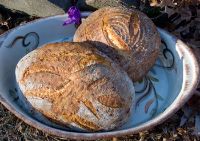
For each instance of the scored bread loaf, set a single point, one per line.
(127, 36)
(74, 84)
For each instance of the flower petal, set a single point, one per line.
(68, 21)
(74, 16)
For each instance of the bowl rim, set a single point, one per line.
(91, 136)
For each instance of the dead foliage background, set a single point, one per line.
(181, 18)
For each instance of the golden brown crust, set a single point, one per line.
(75, 84)
(127, 36)
(111, 101)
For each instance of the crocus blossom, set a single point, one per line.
(74, 16)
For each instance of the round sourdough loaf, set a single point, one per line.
(76, 85)
(127, 36)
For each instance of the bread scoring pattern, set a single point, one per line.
(78, 85)
(127, 36)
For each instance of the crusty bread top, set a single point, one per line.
(132, 38)
(75, 84)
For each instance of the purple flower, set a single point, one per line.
(74, 16)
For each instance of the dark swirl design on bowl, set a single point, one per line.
(148, 80)
(29, 40)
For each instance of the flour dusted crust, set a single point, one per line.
(74, 84)
(127, 36)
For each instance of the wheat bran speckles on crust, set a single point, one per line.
(87, 91)
(127, 36)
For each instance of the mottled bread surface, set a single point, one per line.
(127, 36)
(76, 85)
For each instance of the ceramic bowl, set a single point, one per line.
(168, 85)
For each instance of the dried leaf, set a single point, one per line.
(169, 11)
(115, 139)
(166, 3)
(148, 104)
(154, 3)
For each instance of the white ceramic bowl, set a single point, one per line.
(168, 85)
